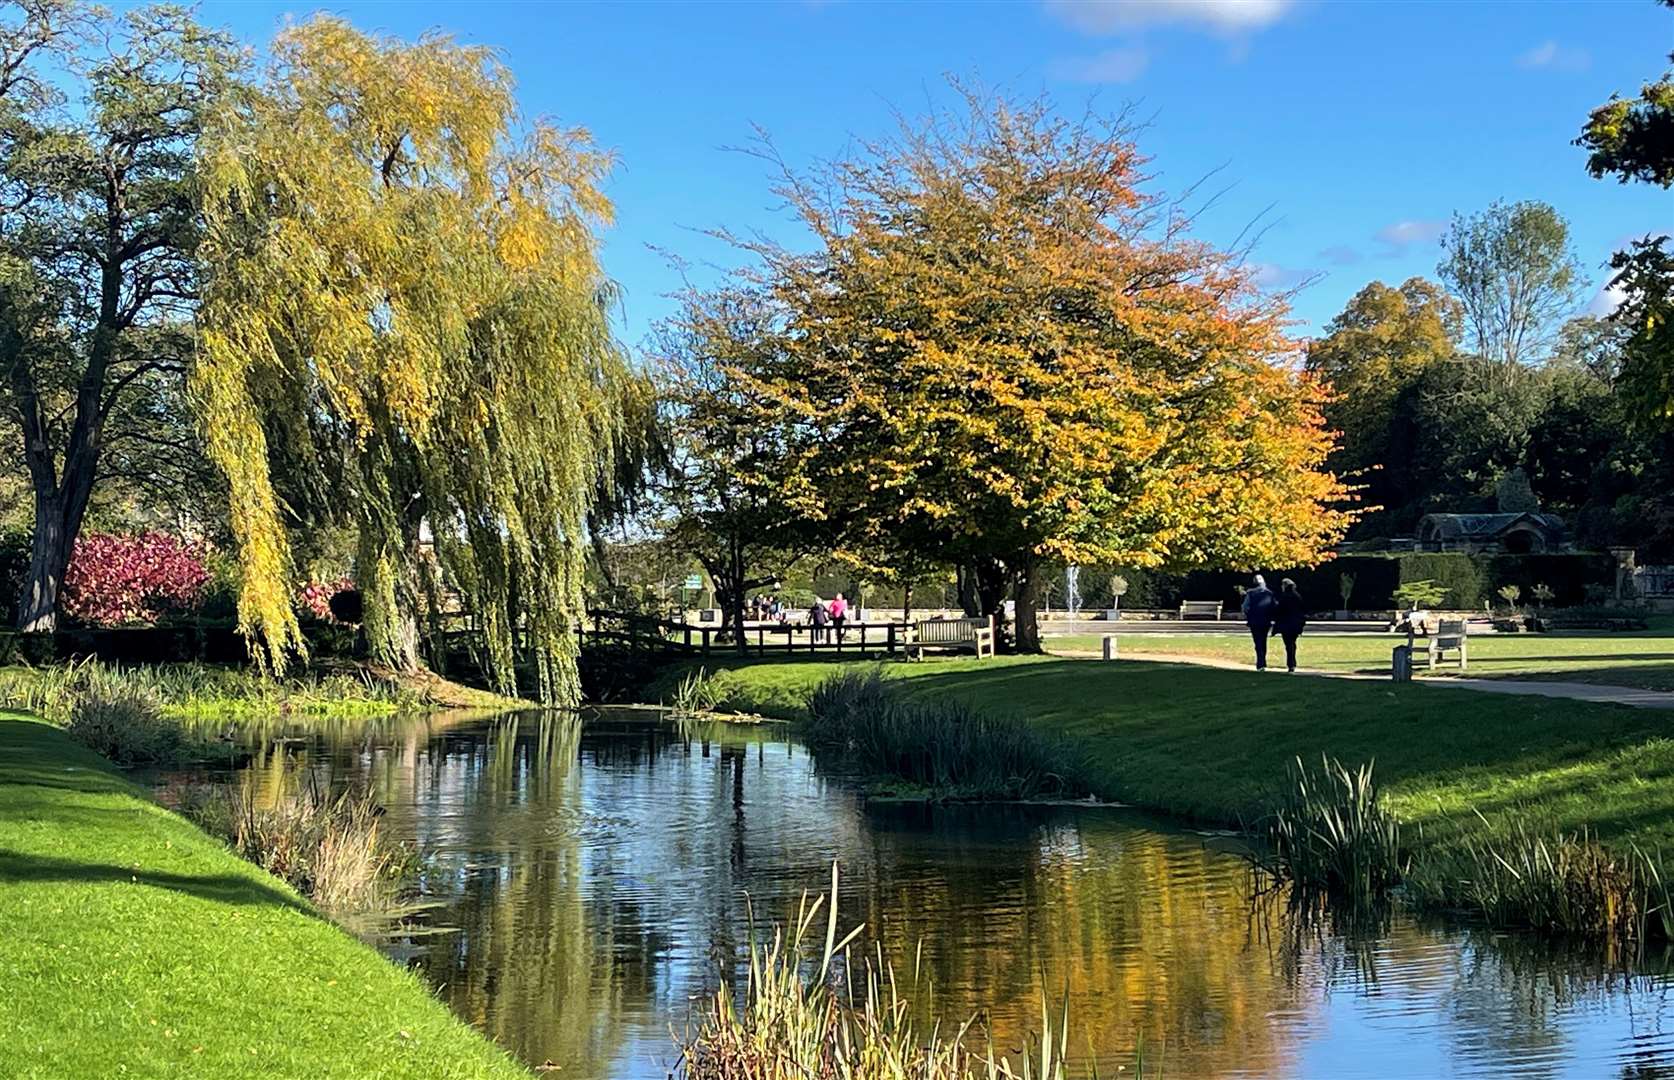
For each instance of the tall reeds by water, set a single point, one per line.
(199, 691)
(811, 1012)
(1330, 837)
(937, 747)
(1331, 841)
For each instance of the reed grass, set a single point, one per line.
(835, 1019)
(328, 846)
(200, 691)
(124, 724)
(1331, 838)
(1528, 878)
(940, 748)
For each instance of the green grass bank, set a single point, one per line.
(1212, 744)
(136, 945)
(1643, 659)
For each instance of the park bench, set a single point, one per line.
(957, 634)
(1450, 635)
(1200, 609)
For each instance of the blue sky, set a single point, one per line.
(1356, 128)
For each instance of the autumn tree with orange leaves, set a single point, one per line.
(1004, 350)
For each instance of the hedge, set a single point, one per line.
(1469, 579)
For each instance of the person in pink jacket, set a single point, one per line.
(839, 613)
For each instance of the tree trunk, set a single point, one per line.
(49, 557)
(738, 593)
(1028, 622)
(907, 602)
(966, 584)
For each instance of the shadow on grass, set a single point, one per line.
(18, 867)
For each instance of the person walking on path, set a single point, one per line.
(1259, 608)
(1289, 619)
(839, 613)
(818, 616)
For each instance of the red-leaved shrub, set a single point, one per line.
(127, 579)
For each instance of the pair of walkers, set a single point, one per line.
(822, 615)
(1268, 613)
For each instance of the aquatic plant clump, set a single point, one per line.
(1330, 836)
(1549, 882)
(328, 847)
(855, 1025)
(944, 747)
(124, 724)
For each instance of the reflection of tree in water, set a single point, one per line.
(597, 879)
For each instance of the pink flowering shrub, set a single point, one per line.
(314, 598)
(118, 579)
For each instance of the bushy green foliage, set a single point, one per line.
(943, 747)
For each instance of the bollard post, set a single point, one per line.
(1110, 646)
(1400, 663)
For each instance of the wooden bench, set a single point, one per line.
(1200, 609)
(1450, 635)
(959, 634)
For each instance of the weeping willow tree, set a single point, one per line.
(405, 327)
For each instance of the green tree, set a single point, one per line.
(724, 490)
(1513, 272)
(98, 274)
(1633, 138)
(1645, 277)
(404, 313)
(1370, 354)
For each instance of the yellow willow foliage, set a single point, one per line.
(404, 317)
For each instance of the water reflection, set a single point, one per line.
(594, 877)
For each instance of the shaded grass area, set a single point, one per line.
(1213, 745)
(1642, 659)
(135, 945)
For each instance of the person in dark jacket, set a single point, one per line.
(1260, 606)
(1289, 620)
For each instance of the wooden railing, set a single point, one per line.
(669, 637)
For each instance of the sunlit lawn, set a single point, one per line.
(1637, 658)
(135, 945)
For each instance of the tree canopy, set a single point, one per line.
(405, 325)
(1513, 272)
(1003, 350)
(98, 273)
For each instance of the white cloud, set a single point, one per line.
(1397, 238)
(1274, 276)
(1341, 255)
(1219, 16)
(1110, 66)
(1555, 57)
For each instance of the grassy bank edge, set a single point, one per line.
(134, 937)
(1209, 745)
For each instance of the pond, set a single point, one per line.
(590, 886)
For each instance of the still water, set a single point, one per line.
(591, 880)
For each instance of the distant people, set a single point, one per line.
(819, 617)
(1260, 606)
(1289, 620)
(839, 613)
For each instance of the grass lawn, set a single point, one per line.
(1643, 659)
(132, 944)
(1210, 744)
